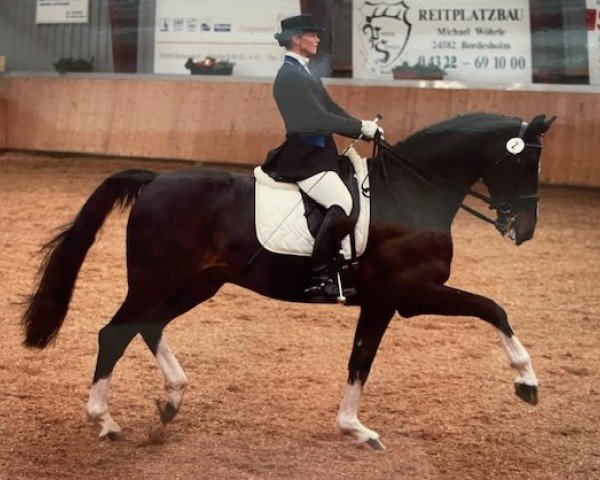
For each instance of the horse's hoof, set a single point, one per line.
(113, 436)
(375, 444)
(527, 393)
(166, 413)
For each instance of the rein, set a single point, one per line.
(413, 168)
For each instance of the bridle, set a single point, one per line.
(503, 205)
(508, 206)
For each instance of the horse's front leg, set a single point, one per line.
(371, 326)
(526, 382)
(444, 300)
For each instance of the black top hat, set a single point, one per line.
(295, 26)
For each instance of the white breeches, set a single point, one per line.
(327, 189)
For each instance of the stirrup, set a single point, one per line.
(341, 298)
(342, 292)
(322, 289)
(327, 287)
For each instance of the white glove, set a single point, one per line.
(369, 128)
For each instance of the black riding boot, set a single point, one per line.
(336, 225)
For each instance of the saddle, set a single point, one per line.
(287, 220)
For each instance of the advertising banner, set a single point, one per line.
(62, 11)
(470, 40)
(227, 30)
(593, 28)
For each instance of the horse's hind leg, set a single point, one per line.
(139, 315)
(134, 316)
(113, 339)
(175, 378)
(372, 323)
(444, 300)
(203, 287)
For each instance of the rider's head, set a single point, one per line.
(299, 34)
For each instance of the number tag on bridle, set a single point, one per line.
(515, 145)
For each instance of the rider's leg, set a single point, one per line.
(336, 225)
(327, 189)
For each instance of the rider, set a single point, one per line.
(309, 155)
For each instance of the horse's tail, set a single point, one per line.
(64, 255)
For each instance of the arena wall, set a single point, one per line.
(235, 120)
(3, 112)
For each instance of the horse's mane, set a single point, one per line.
(468, 124)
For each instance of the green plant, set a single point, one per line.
(209, 66)
(69, 65)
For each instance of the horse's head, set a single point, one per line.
(512, 177)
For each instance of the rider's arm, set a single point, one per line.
(305, 110)
(332, 106)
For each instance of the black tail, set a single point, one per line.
(64, 255)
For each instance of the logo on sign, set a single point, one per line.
(385, 33)
(191, 24)
(222, 27)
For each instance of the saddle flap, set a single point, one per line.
(281, 220)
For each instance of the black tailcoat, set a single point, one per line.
(311, 117)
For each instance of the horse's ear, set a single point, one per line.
(540, 125)
(549, 122)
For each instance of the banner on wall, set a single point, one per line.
(239, 32)
(62, 11)
(593, 28)
(471, 40)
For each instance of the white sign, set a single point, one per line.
(62, 11)
(593, 28)
(239, 32)
(486, 41)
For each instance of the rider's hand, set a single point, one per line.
(369, 128)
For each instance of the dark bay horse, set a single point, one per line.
(189, 232)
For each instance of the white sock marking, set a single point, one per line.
(519, 360)
(347, 419)
(97, 407)
(175, 379)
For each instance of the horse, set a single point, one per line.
(189, 232)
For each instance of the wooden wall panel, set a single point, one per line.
(238, 122)
(3, 111)
(201, 121)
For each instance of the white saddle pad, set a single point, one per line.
(281, 226)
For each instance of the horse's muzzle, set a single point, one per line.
(517, 224)
(526, 220)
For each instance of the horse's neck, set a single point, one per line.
(427, 199)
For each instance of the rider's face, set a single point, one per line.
(307, 43)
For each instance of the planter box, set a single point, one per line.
(203, 70)
(65, 65)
